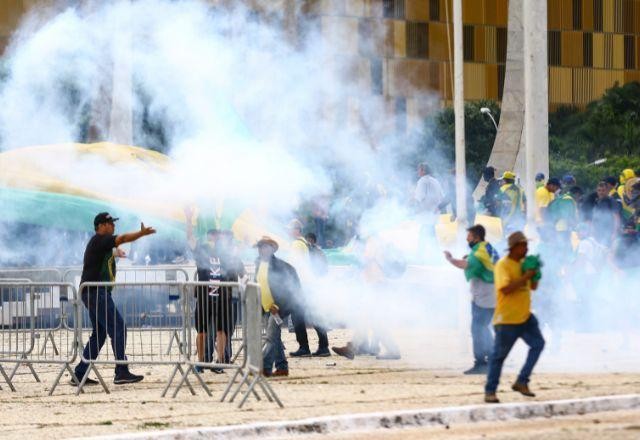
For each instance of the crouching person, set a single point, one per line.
(279, 286)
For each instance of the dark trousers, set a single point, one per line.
(481, 334)
(506, 337)
(273, 350)
(105, 320)
(300, 327)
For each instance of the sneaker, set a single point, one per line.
(126, 377)
(344, 351)
(280, 373)
(321, 352)
(389, 356)
(301, 352)
(198, 369)
(491, 398)
(217, 370)
(477, 369)
(522, 389)
(89, 381)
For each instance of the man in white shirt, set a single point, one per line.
(428, 196)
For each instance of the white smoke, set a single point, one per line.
(250, 115)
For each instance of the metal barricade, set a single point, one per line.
(251, 370)
(30, 333)
(214, 316)
(140, 318)
(219, 296)
(35, 274)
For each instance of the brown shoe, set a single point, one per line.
(266, 373)
(491, 398)
(522, 389)
(345, 351)
(280, 373)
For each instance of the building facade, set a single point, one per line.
(402, 48)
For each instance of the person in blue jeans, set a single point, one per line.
(478, 268)
(279, 288)
(100, 266)
(513, 318)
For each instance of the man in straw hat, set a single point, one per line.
(279, 286)
(513, 318)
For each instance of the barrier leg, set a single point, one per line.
(33, 372)
(7, 379)
(265, 391)
(86, 376)
(15, 369)
(47, 338)
(245, 376)
(175, 337)
(230, 384)
(170, 381)
(100, 379)
(237, 354)
(184, 379)
(265, 383)
(57, 381)
(246, 395)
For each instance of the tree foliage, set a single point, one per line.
(608, 128)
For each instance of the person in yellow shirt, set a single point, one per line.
(513, 201)
(279, 288)
(513, 318)
(544, 196)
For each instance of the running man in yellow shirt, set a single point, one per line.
(513, 318)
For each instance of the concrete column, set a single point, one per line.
(536, 97)
(458, 106)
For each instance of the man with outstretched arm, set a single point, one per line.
(100, 266)
(513, 318)
(478, 268)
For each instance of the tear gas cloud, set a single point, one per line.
(252, 118)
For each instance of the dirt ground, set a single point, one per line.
(319, 387)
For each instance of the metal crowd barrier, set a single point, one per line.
(144, 323)
(147, 336)
(157, 325)
(49, 274)
(30, 316)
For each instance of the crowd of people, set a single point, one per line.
(574, 228)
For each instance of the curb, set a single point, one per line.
(397, 419)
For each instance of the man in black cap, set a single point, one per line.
(100, 266)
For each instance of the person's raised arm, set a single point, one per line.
(133, 236)
(460, 264)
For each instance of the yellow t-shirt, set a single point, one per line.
(514, 308)
(263, 281)
(543, 198)
(299, 248)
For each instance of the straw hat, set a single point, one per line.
(267, 240)
(516, 238)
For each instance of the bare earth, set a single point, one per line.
(318, 388)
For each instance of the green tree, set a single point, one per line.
(438, 142)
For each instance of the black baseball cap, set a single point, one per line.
(554, 181)
(103, 217)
